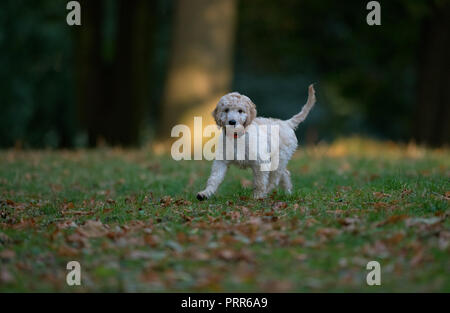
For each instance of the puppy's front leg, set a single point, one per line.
(260, 182)
(218, 171)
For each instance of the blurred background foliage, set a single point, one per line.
(135, 68)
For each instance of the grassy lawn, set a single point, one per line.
(132, 221)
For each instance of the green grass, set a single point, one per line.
(354, 201)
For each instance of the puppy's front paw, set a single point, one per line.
(201, 196)
(259, 195)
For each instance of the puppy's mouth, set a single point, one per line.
(236, 133)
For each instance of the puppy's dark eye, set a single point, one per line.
(226, 110)
(240, 111)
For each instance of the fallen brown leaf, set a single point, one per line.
(427, 221)
(418, 258)
(395, 239)
(5, 276)
(7, 254)
(380, 195)
(245, 183)
(444, 240)
(182, 202)
(406, 192)
(68, 206)
(151, 240)
(279, 205)
(392, 220)
(348, 221)
(92, 229)
(4, 239)
(327, 233)
(78, 212)
(298, 241)
(235, 215)
(67, 251)
(166, 201)
(66, 224)
(226, 254)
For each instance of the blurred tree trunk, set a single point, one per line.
(89, 68)
(431, 125)
(132, 70)
(200, 69)
(113, 96)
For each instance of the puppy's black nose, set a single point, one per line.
(232, 122)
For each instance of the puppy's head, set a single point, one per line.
(234, 111)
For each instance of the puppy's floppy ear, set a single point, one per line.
(215, 114)
(251, 112)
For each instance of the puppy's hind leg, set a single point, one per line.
(218, 171)
(274, 179)
(285, 181)
(260, 183)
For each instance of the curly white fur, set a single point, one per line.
(237, 113)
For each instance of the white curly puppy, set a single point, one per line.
(236, 114)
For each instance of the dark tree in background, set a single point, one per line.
(432, 114)
(201, 61)
(36, 89)
(113, 72)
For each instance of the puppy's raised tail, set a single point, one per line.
(300, 117)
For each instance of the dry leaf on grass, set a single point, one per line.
(67, 251)
(226, 254)
(380, 195)
(406, 192)
(246, 183)
(78, 212)
(391, 220)
(298, 241)
(166, 201)
(419, 220)
(7, 254)
(4, 239)
(444, 240)
(5, 276)
(234, 215)
(418, 258)
(348, 221)
(377, 249)
(279, 205)
(395, 239)
(447, 195)
(92, 229)
(66, 224)
(327, 233)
